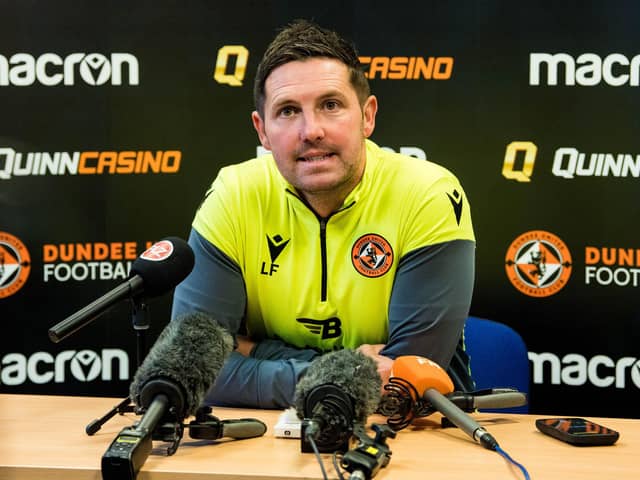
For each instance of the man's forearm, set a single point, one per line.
(251, 382)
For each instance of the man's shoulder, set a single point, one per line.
(257, 176)
(242, 186)
(259, 169)
(406, 170)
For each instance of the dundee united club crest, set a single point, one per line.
(538, 263)
(372, 255)
(15, 264)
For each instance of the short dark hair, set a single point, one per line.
(301, 40)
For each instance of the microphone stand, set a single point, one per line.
(140, 322)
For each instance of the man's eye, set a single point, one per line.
(331, 105)
(287, 111)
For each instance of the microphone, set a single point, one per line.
(431, 382)
(156, 271)
(169, 386)
(339, 389)
(490, 398)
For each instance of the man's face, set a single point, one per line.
(315, 127)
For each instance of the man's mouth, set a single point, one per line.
(315, 158)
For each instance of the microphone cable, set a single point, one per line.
(312, 442)
(513, 462)
(336, 466)
(493, 445)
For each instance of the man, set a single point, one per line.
(329, 242)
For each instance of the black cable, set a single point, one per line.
(336, 466)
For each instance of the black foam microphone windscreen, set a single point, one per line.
(183, 363)
(163, 265)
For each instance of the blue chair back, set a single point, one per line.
(498, 358)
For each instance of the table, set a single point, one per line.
(44, 438)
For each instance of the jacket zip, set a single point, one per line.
(323, 243)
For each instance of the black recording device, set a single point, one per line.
(339, 389)
(370, 454)
(130, 449)
(126, 454)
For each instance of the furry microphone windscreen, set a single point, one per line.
(353, 372)
(186, 358)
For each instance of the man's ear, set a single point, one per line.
(369, 110)
(258, 124)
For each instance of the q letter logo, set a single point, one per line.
(224, 64)
(509, 171)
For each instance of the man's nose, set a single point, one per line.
(312, 128)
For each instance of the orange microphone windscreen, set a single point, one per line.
(422, 373)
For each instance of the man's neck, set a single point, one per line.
(324, 205)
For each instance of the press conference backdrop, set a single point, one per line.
(116, 116)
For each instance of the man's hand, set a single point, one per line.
(245, 345)
(384, 363)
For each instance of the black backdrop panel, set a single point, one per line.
(113, 126)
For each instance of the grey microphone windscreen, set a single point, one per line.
(183, 363)
(351, 371)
